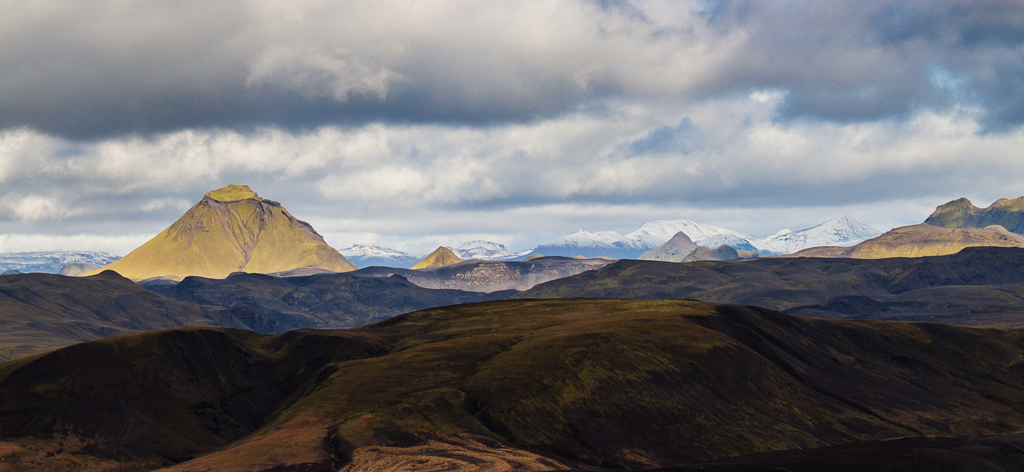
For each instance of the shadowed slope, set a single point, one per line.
(615, 383)
(231, 229)
(272, 305)
(976, 287)
(920, 241)
(40, 312)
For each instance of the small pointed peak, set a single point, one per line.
(232, 193)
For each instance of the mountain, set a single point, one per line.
(655, 233)
(975, 287)
(720, 253)
(272, 305)
(517, 385)
(490, 276)
(587, 244)
(53, 262)
(961, 213)
(366, 256)
(675, 250)
(441, 257)
(920, 240)
(836, 232)
(231, 229)
(40, 312)
(487, 251)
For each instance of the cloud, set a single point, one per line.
(103, 68)
(656, 161)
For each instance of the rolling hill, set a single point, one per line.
(529, 384)
(231, 229)
(976, 287)
(41, 312)
(272, 305)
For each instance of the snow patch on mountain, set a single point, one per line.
(51, 262)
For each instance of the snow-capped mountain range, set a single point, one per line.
(487, 251)
(365, 256)
(52, 262)
(837, 232)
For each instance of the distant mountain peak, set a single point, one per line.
(441, 257)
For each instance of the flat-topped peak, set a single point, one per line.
(232, 193)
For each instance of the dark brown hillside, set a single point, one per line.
(976, 287)
(272, 305)
(40, 312)
(528, 385)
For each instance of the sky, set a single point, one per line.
(411, 124)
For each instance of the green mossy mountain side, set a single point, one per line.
(610, 383)
(231, 229)
(961, 213)
(975, 287)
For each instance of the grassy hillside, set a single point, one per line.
(976, 287)
(40, 312)
(920, 241)
(231, 229)
(541, 384)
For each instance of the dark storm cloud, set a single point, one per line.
(100, 68)
(866, 60)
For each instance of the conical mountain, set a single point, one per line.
(441, 257)
(231, 229)
(675, 250)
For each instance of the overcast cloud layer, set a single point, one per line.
(412, 123)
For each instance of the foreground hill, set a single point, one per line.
(976, 287)
(533, 385)
(231, 229)
(272, 305)
(962, 213)
(40, 312)
(491, 276)
(921, 241)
